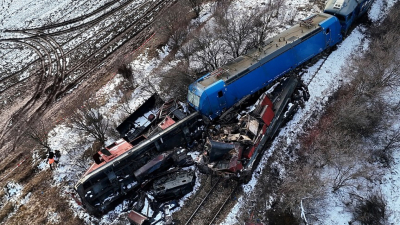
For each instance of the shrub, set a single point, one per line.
(371, 210)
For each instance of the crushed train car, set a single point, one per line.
(233, 148)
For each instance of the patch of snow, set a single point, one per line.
(72, 144)
(147, 211)
(53, 217)
(26, 199)
(43, 165)
(379, 10)
(206, 12)
(13, 191)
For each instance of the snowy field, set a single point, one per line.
(321, 86)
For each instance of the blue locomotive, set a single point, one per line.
(347, 11)
(219, 90)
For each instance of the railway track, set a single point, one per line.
(76, 52)
(324, 56)
(72, 45)
(74, 28)
(74, 20)
(84, 58)
(207, 204)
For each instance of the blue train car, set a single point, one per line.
(347, 11)
(217, 91)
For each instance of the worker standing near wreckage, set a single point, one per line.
(50, 159)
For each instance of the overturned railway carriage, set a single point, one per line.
(219, 90)
(112, 177)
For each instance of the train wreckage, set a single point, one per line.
(153, 154)
(232, 113)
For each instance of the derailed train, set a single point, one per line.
(216, 92)
(143, 156)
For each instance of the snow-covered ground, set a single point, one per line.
(322, 85)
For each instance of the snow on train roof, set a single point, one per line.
(340, 7)
(277, 44)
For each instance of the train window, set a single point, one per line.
(194, 99)
(327, 31)
(341, 17)
(220, 94)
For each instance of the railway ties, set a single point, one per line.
(211, 202)
(324, 57)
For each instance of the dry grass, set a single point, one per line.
(10, 161)
(38, 183)
(5, 211)
(43, 203)
(44, 200)
(24, 173)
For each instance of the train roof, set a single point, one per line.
(273, 47)
(340, 7)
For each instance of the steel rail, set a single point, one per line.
(201, 203)
(223, 205)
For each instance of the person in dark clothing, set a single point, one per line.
(57, 156)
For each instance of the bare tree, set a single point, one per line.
(390, 141)
(209, 51)
(276, 6)
(127, 73)
(39, 134)
(379, 68)
(303, 182)
(261, 24)
(146, 82)
(188, 49)
(125, 104)
(175, 82)
(91, 121)
(291, 15)
(348, 172)
(172, 24)
(371, 210)
(233, 30)
(360, 115)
